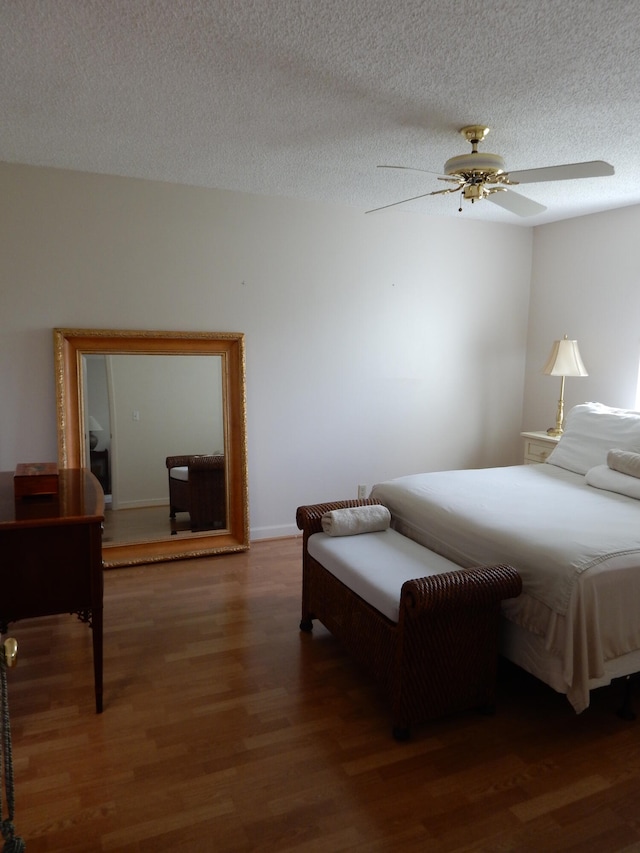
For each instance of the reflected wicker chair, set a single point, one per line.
(202, 494)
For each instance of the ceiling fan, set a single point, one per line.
(480, 175)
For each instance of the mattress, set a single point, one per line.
(576, 547)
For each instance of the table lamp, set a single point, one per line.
(94, 427)
(564, 361)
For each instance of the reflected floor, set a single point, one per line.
(142, 524)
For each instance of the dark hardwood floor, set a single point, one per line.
(226, 729)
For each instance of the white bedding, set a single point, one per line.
(576, 547)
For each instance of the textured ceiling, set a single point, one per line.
(304, 98)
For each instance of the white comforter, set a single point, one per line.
(576, 547)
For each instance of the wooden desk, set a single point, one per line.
(51, 555)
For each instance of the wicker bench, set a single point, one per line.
(440, 657)
(202, 494)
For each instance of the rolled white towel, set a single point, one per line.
(354, 520)
(624, 461)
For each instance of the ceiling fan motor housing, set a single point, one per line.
(477, 163)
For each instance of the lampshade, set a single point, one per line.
(94, 426)
(565, 360)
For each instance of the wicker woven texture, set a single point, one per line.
(441, 656)
(203, 495)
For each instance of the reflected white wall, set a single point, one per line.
(162, 406)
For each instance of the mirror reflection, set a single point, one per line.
(140, 412)
(159, 417)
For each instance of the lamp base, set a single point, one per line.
(557, 429)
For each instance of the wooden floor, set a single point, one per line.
(142, 524)
(226, 729)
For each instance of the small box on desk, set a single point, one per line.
(35, 478)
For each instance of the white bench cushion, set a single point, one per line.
(181, 473)
(375, 565)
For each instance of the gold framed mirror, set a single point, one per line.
(129, 401)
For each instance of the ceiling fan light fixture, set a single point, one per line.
(474, 192)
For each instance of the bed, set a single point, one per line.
(570, 526)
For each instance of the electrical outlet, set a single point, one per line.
(362, 492)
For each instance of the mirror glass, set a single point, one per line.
(146, 409)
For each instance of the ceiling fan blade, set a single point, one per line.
(413, 198)
(516, 203)
(591, 169)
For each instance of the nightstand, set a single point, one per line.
(100, 468)
(537, 446)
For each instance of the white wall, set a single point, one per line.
(376, 345)
(585, 283)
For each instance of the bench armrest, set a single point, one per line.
(476, 587)
(309, 518)
(177, 461)
(206, 463)
(194, 463)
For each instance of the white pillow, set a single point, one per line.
(591, 430)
